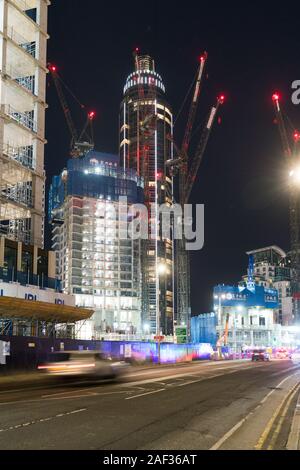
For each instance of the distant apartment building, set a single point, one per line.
(272, 269)
(246, 315)
(249, 312)
(95, 260)
(23, 42)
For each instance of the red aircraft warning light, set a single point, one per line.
(275, 97)
(203, 57)
(296, 136)
(91, 115)
(221, 99)
(53, 68)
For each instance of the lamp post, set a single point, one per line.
(161, 271)
(220, 297)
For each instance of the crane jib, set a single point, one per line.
(211, 118)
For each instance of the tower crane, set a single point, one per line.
(80, 142)
(293, 162)
(188, 169)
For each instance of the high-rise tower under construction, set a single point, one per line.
(146, 127)
(23, 40)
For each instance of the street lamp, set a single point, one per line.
(220, 297)
(295, 175)
(162, 270)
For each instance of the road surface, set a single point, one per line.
(211, 405)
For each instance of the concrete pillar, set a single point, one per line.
(269, 338)
(251, 338)
(2, 250)
(19, 257)
(52, 264)
(35, 259)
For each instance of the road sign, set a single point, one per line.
(181, 334)
(159, 338)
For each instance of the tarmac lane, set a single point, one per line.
(222, 405)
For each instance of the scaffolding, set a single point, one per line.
(22, 128)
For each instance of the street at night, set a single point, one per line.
(232, 405)
(149, 231)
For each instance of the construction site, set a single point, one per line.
(156, 165)
(22, 120)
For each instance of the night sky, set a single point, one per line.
(253, 50)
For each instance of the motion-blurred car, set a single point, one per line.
(260, 355)
(83, 364)
(282, 354)
(295, 356)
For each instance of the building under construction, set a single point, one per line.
(23, 40)
(96, 259)
(146, 122)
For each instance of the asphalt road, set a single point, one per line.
(231, 405)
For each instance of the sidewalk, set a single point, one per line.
(294, 437)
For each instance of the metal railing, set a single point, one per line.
(23, 155)
(25, 119)
(27, 82)
(28, 278)
(20, 193)
(28, 46)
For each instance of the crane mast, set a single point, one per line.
(187, 177)
(197, 160)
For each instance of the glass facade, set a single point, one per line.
(146, 124)
(96, 260)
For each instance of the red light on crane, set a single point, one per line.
(91, 115)
(275, 97)
(221, 99)
(53, 68)
(203, 57)
(296, 136)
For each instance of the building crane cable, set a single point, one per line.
(78, 145)
(188, 168)
(185, 99)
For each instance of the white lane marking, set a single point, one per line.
(226, 436)
(11, 391)
(169, 377)
(42, 420)
(274, 374)
(202, 377)
(200, 366)
(147, 393)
